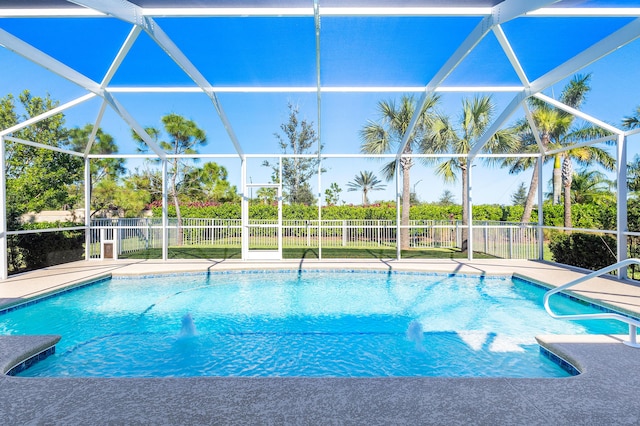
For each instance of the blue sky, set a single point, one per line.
(354, 52)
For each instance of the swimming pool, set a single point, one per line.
(291, 323)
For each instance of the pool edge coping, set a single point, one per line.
(601, 392)
(31, 353)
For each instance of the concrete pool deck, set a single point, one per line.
(604, 393)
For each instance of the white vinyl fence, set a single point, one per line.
(506, 240)
(500, 239)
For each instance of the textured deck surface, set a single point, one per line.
(605, 392)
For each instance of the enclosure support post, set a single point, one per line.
(622, 219)
(469, 210)
(319, 205)
(244, 209)
(398, 218)
(165, 212)
(540, 210)
(316, 21)
(280, 199)
(87, 208)
(4, 271)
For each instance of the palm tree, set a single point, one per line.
(591, 186)
(447, 198)
(557, 130)
(633, 168)
(386, 135)
(477, 114)
(632, 121)
(567, 179)
(633, 175)
(366, 181)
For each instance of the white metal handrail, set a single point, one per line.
(633, 324)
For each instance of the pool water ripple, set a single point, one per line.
(292, 324)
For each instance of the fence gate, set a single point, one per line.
(262, 230)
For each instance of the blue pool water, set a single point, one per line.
(332, 324)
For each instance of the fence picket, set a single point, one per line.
(500, 239)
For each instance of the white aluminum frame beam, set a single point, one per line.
(502, 12)
(37, 56)
(45, 12)
(323, 156)
(598, 50)
(632, 132)
(316, 24)
(43, 146)
(534, 128)
(582, 12)
(87, 209)
(614, 41)
(314, 89)
(4, 266)
(540, 166)
(47, 114)
(31, 53)
(495, 126)
(129, 12)
(122, 53)
(578, 113)
(511, 55)
(135, 126)
(622, 218)
(94, 131)
(580, 145)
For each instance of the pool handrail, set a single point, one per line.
(633, 323)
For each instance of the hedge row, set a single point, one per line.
(346, 212)
(587, 251)
(583, 215)
(27, 252)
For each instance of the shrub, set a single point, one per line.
(589, 251)
(27, 252)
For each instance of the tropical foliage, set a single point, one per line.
(447, 198)
(299, 137)
(102, 143)
(366, 181)
(386, 135)
(591, 187)
(458, 138)
(184, 137)
(332, 194)
(519, 197)
(558, 129)
(632, 121)
(37, 178)
(210, 183)
(633, 175)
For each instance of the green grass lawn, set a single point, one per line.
(303, 253)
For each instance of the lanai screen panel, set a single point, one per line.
(322, 51)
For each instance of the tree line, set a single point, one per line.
(40, 179)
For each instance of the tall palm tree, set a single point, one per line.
(632, 121)
(633, 175)
(633, 168)
(476, 116)
(557, 130)
(385, 136)
(591, 186)
(567, 179)
(366, 181)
